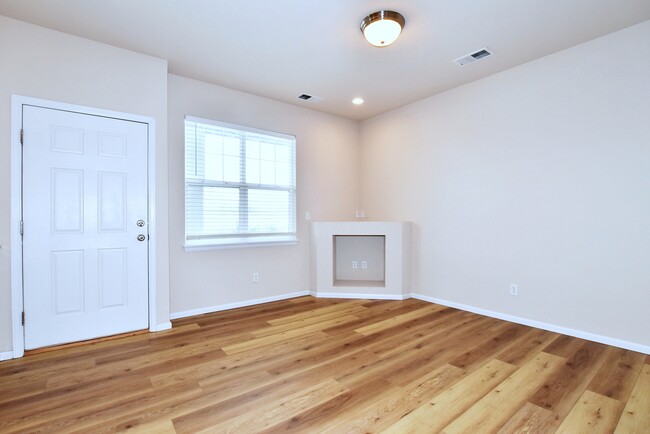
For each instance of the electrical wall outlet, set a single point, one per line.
(354, 265)
(364, 264)
(514, 289)
(307, 215)
(360, 214)
(256, 277)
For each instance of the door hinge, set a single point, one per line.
(22, 136)
(23, 318)
(22, 228)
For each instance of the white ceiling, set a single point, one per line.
(282, 48)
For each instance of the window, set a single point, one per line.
(240, 185)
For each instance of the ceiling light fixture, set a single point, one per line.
(382, 28)
(357, 101)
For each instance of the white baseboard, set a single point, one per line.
(210, 309)
(361, 296)
(506, 317)
(540, 325)
(161, 327)
(6, 355)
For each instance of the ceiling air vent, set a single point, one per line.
(310, 98)
(473, 57)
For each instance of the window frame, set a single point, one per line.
(223, 241)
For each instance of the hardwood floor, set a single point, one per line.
(332, 366)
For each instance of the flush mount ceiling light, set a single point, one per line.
(382, 28)
(357, 101)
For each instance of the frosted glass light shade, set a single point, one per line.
(382, 28)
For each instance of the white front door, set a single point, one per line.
(85, 243)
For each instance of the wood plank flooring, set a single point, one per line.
(331, 366)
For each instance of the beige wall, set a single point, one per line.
(540, 176)
(327, 185)
(45, 64)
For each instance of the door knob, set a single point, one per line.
(140, 223)
(141, 237)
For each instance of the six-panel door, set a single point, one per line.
(84, 191)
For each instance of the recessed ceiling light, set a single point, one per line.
(357, 101)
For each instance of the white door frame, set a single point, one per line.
(17, 102)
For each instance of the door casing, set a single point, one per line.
(17, 103)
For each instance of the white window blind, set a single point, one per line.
(240, 184)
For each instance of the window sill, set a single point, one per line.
(238, 243)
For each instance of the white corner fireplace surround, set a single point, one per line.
(361, 259)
